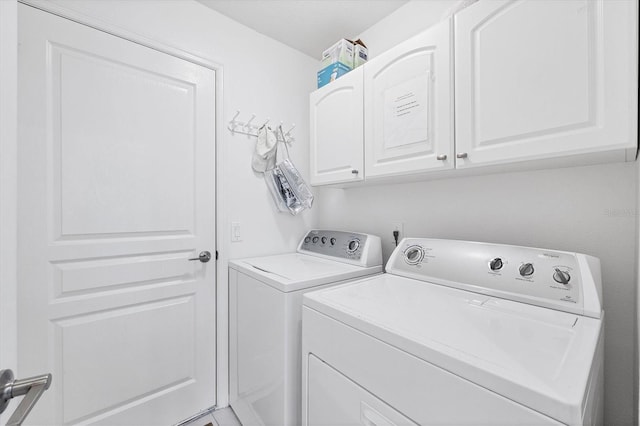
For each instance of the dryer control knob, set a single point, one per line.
(353, 246)
(413, 255)
(561, 276)
(526, 269)
(496, 264)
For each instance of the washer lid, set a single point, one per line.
(536, 356)
(295, 271)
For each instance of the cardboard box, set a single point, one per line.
(360, 53)
(332, 72)
(341, 58)
(342, 51)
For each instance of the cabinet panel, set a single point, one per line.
(408, 116)
(336, 141)
(538, 78)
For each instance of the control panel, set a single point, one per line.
(556, 279)
(350, 247)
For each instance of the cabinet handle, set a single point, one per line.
(441, 157)
(461, 155)
(354, 171)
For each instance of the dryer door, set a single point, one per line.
(335, 399)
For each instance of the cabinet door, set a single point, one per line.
(538, 79)
(408, 114)
(336, 131)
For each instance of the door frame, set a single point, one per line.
(8, 181)
(8, 189)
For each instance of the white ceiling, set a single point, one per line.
(309, 26)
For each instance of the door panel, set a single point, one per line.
(116, 186)
(91, 193)
(408, 119)
(83, 339)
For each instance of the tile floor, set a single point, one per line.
(223, 417)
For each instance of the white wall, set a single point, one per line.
(587, 209)
(8, 148)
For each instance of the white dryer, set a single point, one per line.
(265, 316)
(458, 333)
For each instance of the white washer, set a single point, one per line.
(265, 297)
(458, 333)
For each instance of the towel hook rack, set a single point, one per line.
(253, 116)
(293, 126)
(249, 129)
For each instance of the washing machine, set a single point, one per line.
(458, 333)
(265, 310)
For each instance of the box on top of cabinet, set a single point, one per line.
(348, 52)
(360, 53)
(341, 51)
(331, 73)
(341, 58)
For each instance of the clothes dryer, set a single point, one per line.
(458, 333)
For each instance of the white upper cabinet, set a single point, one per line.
(408, 106)
(537, 79)
(538, 83)
(336, 142)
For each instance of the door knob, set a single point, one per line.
(32, 389)
(203, 257)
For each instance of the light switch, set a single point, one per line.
(235, 232)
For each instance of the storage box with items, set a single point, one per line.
(341, 58)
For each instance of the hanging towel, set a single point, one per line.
(264, 156)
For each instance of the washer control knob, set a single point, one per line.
(353, 246)
(307, 239)
(333, 241)
(526, 269)
(315, 239)
(561, 276)
(413, 255)
(496, 264)
(324, 240)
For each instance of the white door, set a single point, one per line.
(408, 115)
(116, 193)
(538, 79)
(336, 142)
